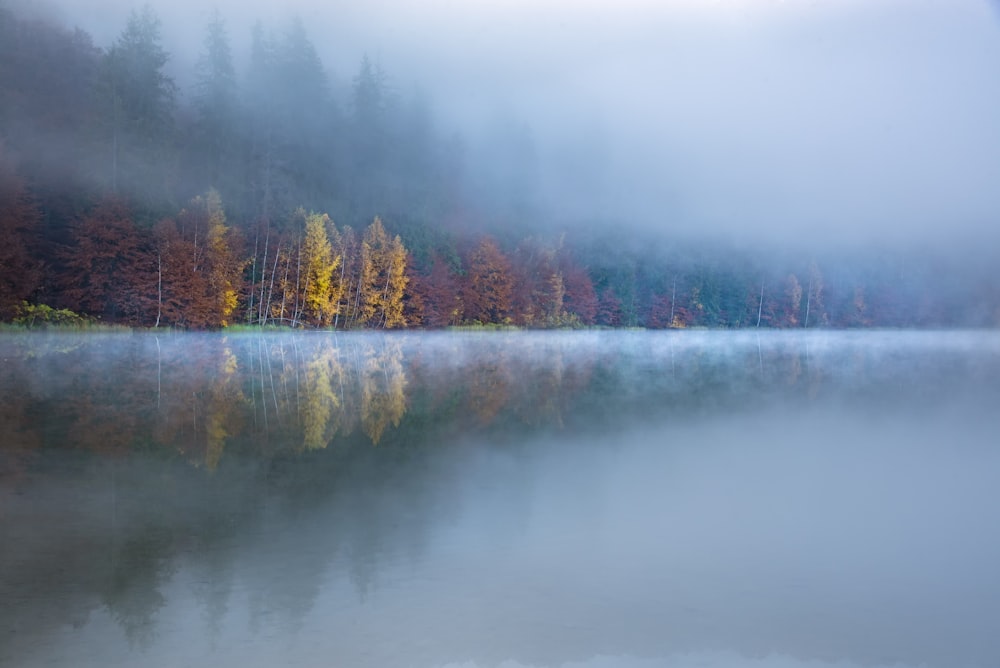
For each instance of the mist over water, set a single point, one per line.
(592, 499)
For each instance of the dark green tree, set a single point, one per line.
(141, 105)
(216, 105)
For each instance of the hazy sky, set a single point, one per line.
(750, 118)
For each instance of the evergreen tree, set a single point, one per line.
(141, 99)
(216, 105)
(20, 270)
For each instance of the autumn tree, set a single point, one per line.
(417, 287)
(383, 278)
(580, 298)
(320, 292)
(609, 309)
(348, 309)
(487, 290)
(110, 267)
(790, 307)
(814, 298)
(199, 266)
(659, 312)
(438, 292)
(539, 291)
(222, 261)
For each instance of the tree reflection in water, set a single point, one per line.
(244, 468)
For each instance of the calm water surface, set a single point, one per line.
(588, 499)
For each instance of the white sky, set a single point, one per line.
(851, 119)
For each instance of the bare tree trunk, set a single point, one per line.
(253, 275)
(809, 294)
(270, 290)
(343, 269)
(297, 311)
(284, 290)
(357, 292)
(673, 300)
(385, 296)
(159, 290)
(261, 315)
(760, 305)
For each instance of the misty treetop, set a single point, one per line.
(276, 195)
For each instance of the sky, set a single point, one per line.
(832, 120)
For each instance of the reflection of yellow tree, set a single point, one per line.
(319, 402)
(200, 407)
(383, 383)
(225, 398)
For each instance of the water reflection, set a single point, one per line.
(203, 395)
(659, 499)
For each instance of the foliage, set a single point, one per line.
(42, 315)
(100, 148)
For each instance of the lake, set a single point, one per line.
(464, 499)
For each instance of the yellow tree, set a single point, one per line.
(488, 287)
(793, 302)
(224, 266)
(383, 278)
(320, 295)
(319, 406)
(198, 267)
(383, 389)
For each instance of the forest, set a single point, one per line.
(271, 196)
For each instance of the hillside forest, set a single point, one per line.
(274, 194)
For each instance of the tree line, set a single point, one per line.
(278, 196)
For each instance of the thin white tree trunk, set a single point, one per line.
(760, 305)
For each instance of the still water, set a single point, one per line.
(637, 499)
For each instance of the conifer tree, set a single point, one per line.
(320, 293)
(383, 273)
(216, 106)
(141, 99)
(20, 271)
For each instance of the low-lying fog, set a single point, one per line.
(789, 500)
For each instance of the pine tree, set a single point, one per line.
(216, 105)
(20, 271)
(141, 101)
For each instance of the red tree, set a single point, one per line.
(486, 292)
(110, 268)
(581, 298)
(609, 309)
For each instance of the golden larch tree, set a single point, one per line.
(320, 293)
(383, 278)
